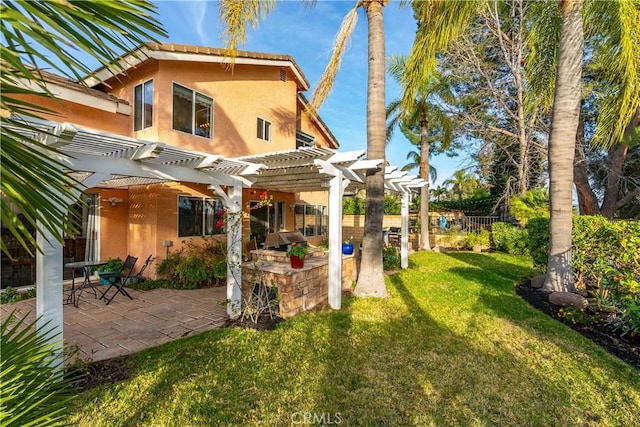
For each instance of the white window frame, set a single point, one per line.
(265, 126)
(194, 95)
(143, 117)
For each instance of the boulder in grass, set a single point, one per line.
(538, 281)
(566, 299)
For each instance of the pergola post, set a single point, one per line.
(49, 289)
(49, 282)
(232, 201)
(336, 189)
(404, 230)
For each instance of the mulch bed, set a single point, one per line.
(104, 372)
(626, 348)
(264, 323)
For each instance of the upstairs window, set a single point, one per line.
(264, 129)
(192, 112)
(143, 106)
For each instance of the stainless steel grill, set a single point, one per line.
(282, 240)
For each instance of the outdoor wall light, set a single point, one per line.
(114, 200)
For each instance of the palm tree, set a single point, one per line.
(439, 192)
(613, 28)
(235, 15)
(461, 183)
(423, 113)
(564, 126)
(416, 162)
(50, 34)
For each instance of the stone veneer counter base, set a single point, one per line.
(300, 289)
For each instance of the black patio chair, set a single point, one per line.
(119, 279)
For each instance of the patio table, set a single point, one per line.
(86, 267)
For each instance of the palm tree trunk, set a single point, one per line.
(562, 139)
(424, 191)
(371, 277)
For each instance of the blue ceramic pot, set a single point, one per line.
(347, 248)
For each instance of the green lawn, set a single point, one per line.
(453, 345)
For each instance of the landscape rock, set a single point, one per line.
(538, 281)
(565, 299)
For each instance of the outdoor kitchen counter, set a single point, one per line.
(300, 289)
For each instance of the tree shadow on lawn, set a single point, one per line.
(422, 372)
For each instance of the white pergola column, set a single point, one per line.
(49, 288)
(232, 201)
(336, 190)
(404, 230)
(49, 268)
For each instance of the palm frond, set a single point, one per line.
(235, 15)
(614, 30)
(542, 44)
(439, 22)
(35, 188)
(34, 392)
(327, 79)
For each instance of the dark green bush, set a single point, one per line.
(509, 238)
(113, 264)
(192, 272)
(538, 241)
(11, 295)
(198, 265)
(390, 258)
(593, 239)
(605, 258)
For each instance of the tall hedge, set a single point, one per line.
(602, 251)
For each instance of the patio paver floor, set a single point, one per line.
(127, 326)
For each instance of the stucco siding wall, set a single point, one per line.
(82, 115)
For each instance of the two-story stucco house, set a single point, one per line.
(188, 97)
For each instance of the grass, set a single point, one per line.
(453, 345)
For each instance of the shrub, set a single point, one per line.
(538, 241)
(605, 261)
(353, 206)
(11, 295)
(195, 266)
(481, 238)
(391, 205)
(593, 239)
(509, 238)
(532, 204)
(192, 272)
(390, 258)
(452, 237)
(113, 264)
